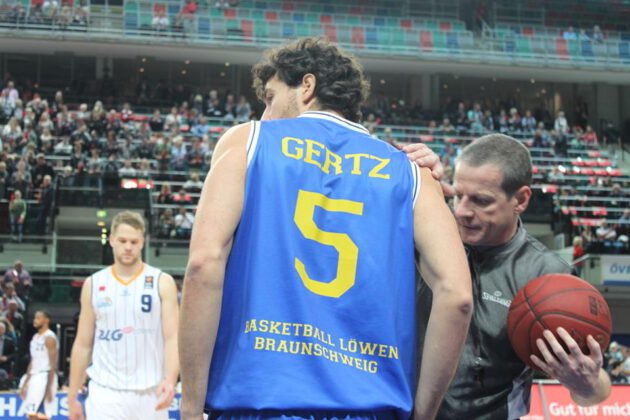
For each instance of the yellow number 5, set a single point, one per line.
(347, 249)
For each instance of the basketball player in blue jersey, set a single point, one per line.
(299, 295)
(127, 334)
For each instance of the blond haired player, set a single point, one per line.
(40, 382)
(127, 334)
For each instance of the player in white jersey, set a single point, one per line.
(128, 331)
(40, 382)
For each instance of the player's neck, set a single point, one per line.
(42, 330)
(126, 271)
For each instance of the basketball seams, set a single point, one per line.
(564, 291)
(574, 316)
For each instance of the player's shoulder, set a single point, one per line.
(102, 273)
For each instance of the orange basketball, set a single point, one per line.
(552, 301)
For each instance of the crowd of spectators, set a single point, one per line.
(14, 297)
(595, 34)
(61, 14)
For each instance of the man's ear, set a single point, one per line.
(309, 84)
(522, 197)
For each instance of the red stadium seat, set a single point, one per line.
(561, 48)
(229, 13)
(446, 26)
(288, 6)
(271, 16)
(247, 26)
(405, 23)
(358, 36)
(426, 41)
(528, 31)
(325, 19)
(331, 33)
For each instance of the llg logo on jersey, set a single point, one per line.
(105, 302)
(148, 282)
(114, 335)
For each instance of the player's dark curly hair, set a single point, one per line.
(341, 85)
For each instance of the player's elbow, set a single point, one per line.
(200, 269)
(457, 296)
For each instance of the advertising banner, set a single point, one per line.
(615, 270)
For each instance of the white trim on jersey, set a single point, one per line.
(417, 182)
(322, 115)
(252, 141)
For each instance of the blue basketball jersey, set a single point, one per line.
(318, 307)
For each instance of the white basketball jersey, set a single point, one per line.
(128, 342)
(40, 362)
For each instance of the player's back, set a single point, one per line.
(128, 342)
(318, 305)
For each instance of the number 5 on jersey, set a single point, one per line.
(345, 246)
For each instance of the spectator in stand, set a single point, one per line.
(126, 114)
(11, 133)
(569, 34)
(166, 225)
(46, 198)
(182, 198)
(127, 170)
(560, 143)
(488, 121)
(45, 123)
(621, 373)
(127, 150)
(111, 146)
(94, 169)
(110, 172)
(82, 13)
(83, 113)
(98, 120)
(172, 120)
(10, 294)
(178, 154)
(514, 121)
(165, 196)
(156, 122)
(475, 116)
(144, 172)
(583, 36)
(502, 122)
(561, 125)
(20, 278)
(146, 148)
(195, 156)
(14, 317)
(605, 232)
(186, 16)
(7, 352)
(49, 10)
(17, 215)
(21, 179)
(67, 179)
(623, 224)
(63, 148)
(243, 109)
(41, 169)
(229, 108)
(64, 122)
(597, 36)
(77, 156)
(10, 95)
(193, 184)
(4, 179)
(528, 122)
(46, 140)
(160, 21)
(201, 128)
(81, 134)
(578, 252)
(446, 129)
(589, 137)
(184, 223)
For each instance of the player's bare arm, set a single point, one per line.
(51, 347)
(170, 320)
(218, 214)
(582, 374)
(81, 351)
(444, 267)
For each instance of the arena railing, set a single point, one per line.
(108, 27)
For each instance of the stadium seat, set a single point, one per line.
(271, 16)
(247, 26)
(371, 36)
(451, 41)
(426, 41)
(298, 17)
(275, 30)
(217, 27)
(624, 51)
(325, 19)
(439, 40)
(261, 29)
(379, 21)
(446, 26)
(358, 36)
(561, 48)
(331, 33)
(523, 45)
(587, 48)
(203, 25)
(288, 29)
